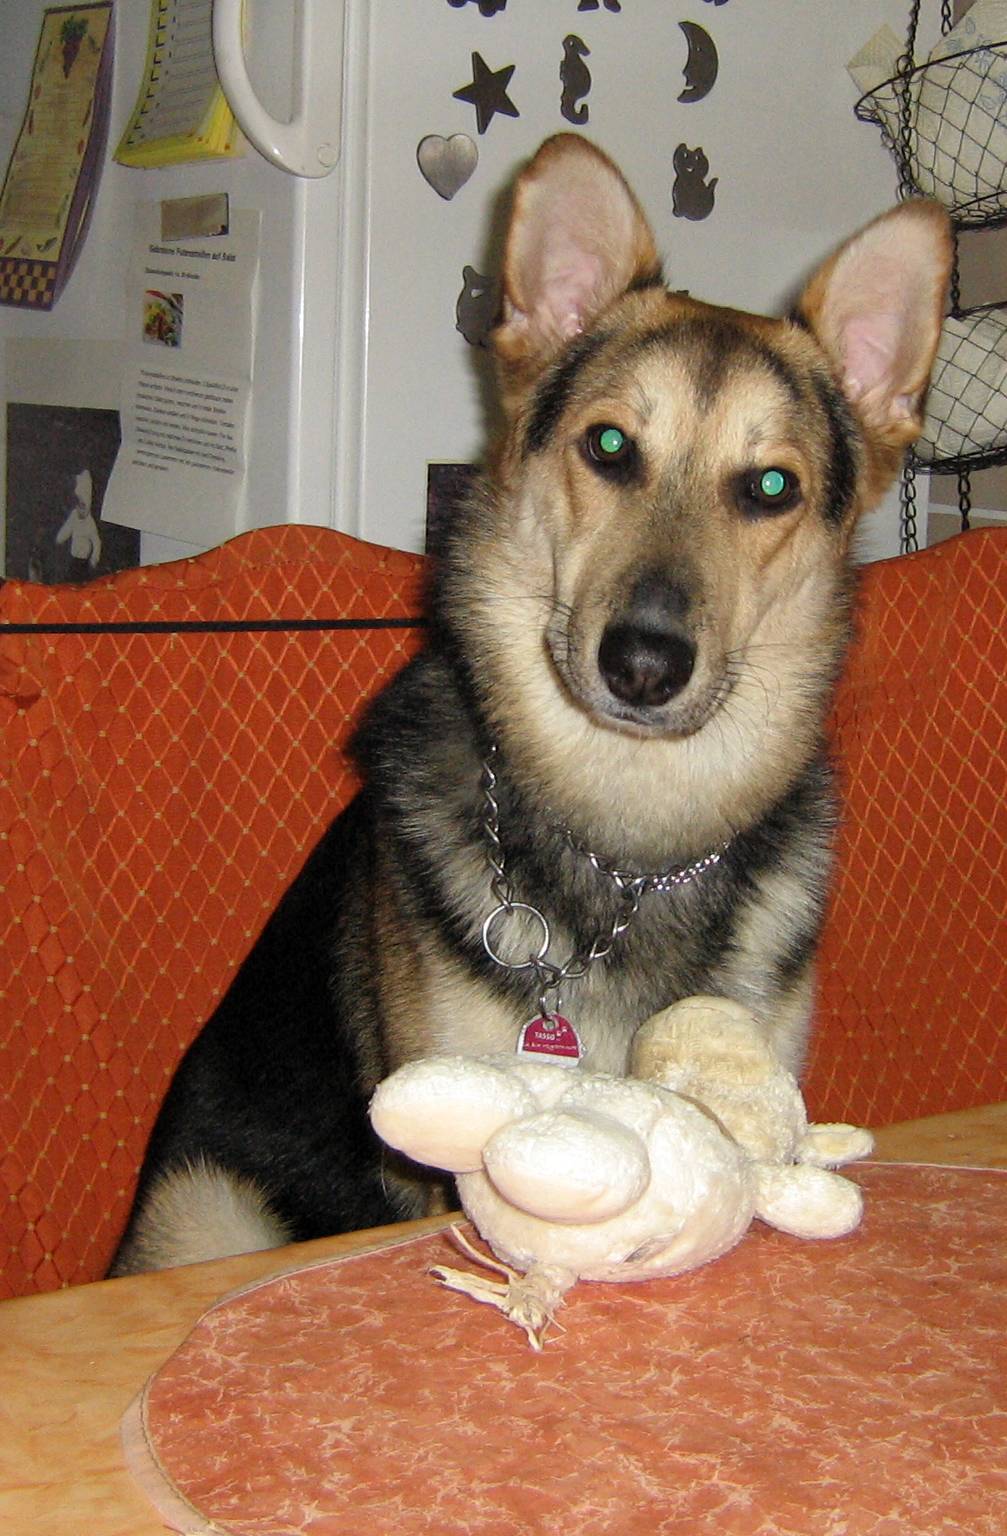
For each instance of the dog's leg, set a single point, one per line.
(194, 1213)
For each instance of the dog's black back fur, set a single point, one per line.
(271, 1089)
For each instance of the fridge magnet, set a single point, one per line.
(486, 7)
(477, 307)
(195, 218)
(59, 459)
(487, 92)
(592, 5)
(701, 66)
(447, 164)
(575, 78)
(692, 195)
(52, 179)
(448, 487)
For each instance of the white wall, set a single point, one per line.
(796, 173)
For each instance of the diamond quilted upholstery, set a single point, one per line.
(157, 793)
(159, 789)
(914, 967)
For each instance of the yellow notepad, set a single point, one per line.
(181, 112)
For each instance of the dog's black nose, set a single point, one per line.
(645, 666)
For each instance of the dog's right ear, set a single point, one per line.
(877, 307)
(577, 240)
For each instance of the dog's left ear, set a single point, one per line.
(876, 307)
(577, 240)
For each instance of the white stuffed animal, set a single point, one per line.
(573, 1175)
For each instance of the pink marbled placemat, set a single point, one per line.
(850, 1388)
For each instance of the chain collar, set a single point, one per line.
(631, 885)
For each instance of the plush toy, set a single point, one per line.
(572, 1175)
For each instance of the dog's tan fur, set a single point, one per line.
(555, 552)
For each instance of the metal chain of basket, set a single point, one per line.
(908, 529)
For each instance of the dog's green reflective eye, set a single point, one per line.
(762, 492)
(610, 449)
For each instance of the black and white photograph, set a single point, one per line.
(59, 459)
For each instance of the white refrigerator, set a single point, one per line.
(733, 119)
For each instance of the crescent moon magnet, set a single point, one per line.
(702, 64)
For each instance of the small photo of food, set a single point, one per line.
(162, 318)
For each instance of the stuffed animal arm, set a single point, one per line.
(571, 1175)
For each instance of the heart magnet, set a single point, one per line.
(447, 164)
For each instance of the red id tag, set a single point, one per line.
(550, 1039)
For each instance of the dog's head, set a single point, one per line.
(674, 496)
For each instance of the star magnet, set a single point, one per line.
(488, 92)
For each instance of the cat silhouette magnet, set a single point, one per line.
(691, 194)
(477, 307)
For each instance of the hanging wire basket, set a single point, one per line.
(945, 123)
(965, 426)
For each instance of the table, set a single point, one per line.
(72, 1361)
(966, 1137)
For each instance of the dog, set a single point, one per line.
(602, 785)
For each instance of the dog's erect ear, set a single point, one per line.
(577, 240)
(876, 307)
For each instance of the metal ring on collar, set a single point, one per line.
(507, 907)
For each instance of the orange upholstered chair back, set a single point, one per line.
(913, 974)
(161, 781)
(164, 774)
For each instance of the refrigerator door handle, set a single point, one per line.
(309, 144)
